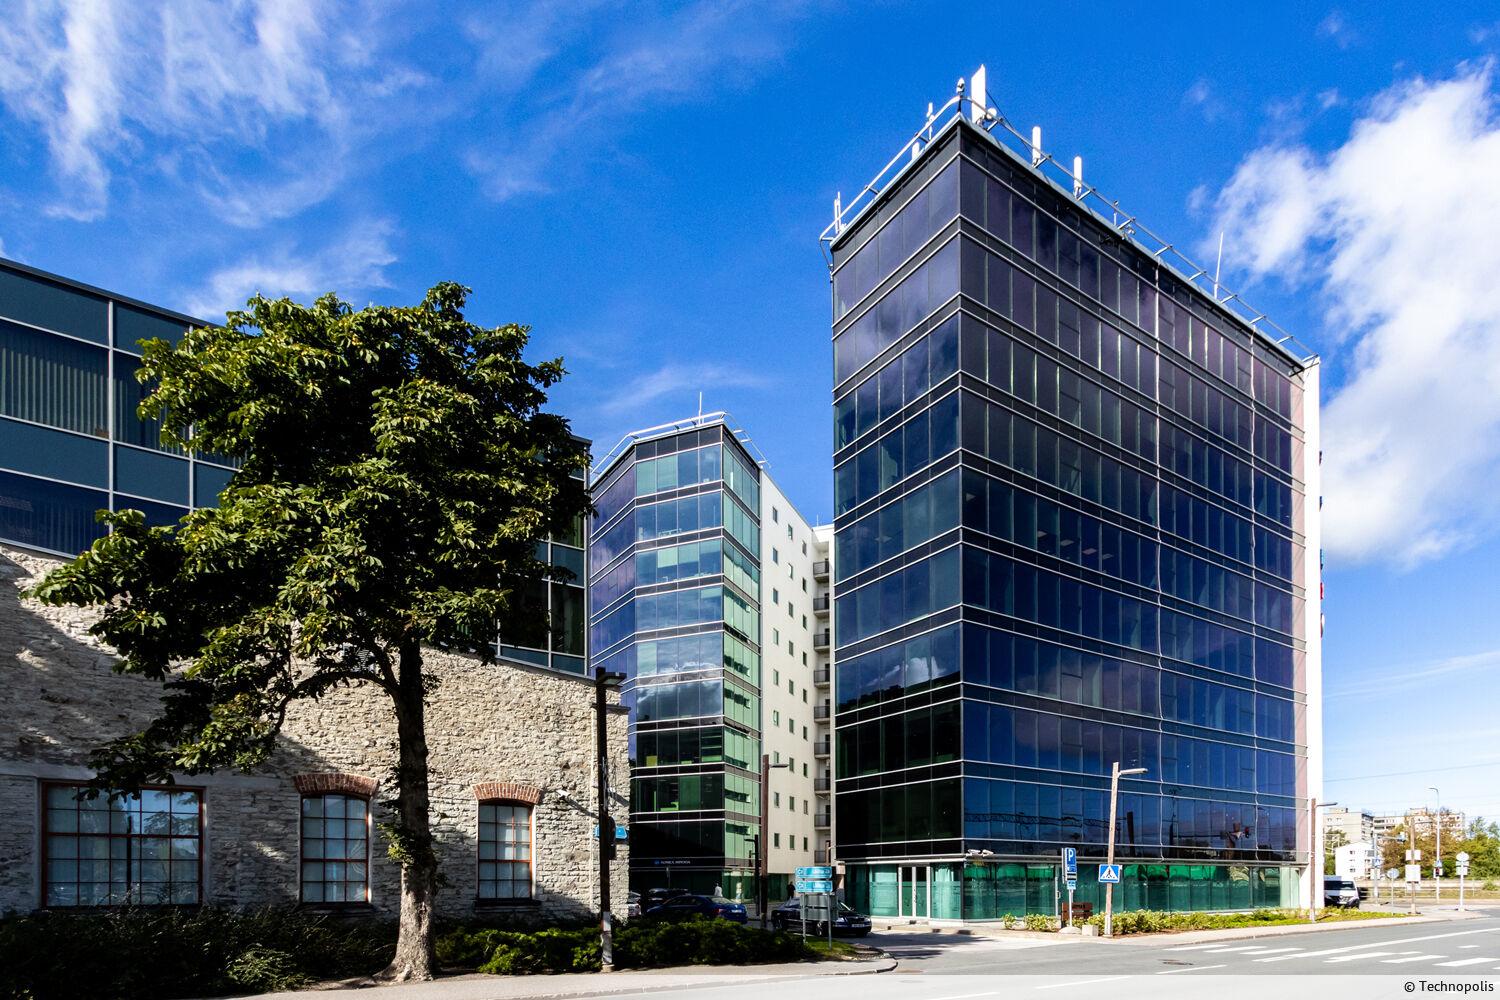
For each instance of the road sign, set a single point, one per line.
(1072, 885)
(1437, 868)
(808, 886)
(1070, 862)
(1413, 873)
(1413, 855)
(1109, 874)
(1392, 873)
(815, 872)
(1462, 857)
(1463, 870)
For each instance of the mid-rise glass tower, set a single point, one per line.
(674, 563)
(1076, 524)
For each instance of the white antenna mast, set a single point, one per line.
(1036, 145)
(1218, 265)
(700, 402)
(1077, 177)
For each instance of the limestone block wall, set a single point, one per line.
(518, 731)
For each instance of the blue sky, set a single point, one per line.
(644, 184)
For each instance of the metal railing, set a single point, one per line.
(822, 820)
(821, 713)
(822, 603)
(821, 856)
(822, 784)
(1105, 211)
(676, 426)
(821, 640)
(822, 677)
(820, 568)
(822, 748)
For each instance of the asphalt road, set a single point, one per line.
(1442, 949)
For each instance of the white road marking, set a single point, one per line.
(1195, 968)
(1252, 947)
(1194, 947)
(966, 996)
(1081, 982)
(1367, 954)
(1465, 961)
(1468, 946)
(1378, 944)
(1414, 958)
(1272, 951)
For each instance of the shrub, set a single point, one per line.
(130, 954)
(1040, 922)
(1488, 886)
(1009, 922)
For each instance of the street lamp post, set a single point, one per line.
(1314, 874)
(762, 861)
(1437, 849)
(1114, 798)
(603, 680)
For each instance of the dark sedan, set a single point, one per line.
(788, 916)
(689, 905)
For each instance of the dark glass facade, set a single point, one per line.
(1070, 530)
(674, 565)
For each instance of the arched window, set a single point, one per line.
(335, 848)
(504, 850)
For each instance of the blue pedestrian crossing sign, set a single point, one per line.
(1109, 873)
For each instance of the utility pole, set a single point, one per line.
(1437, 850)
(1114, 798)
(604, 679)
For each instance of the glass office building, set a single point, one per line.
(71, 443)
(674, 564)
(1076, 523)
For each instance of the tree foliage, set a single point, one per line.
(396, 472)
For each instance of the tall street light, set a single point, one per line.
(1437, 825)
(603, 680)
(762, 862)
(1314, 875)
(1114, 797)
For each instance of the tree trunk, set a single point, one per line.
(412, 844)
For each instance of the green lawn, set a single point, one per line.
(1153, 922)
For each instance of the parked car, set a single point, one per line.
(849, 923)
(1340, 892)
(655, 897)
(689, 905)
(632, 905)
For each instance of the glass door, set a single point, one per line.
(916, 893)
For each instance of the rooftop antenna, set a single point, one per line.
(700, 402)
(1218, 265)
(979, 98)
(838, 212)
(1036, 145)
(1077, 177)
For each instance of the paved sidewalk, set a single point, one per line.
(634, 982)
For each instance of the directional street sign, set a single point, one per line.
(815, 872)
(1109, 873)
(1072, 884)
(807, 886)
(1070, 862)
(1392, 873)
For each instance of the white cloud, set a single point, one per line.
(355, 263)
(705, 47)
(216, 92)
(1425, 676)
(1335, 27)
(676, 379)
(1395, 232)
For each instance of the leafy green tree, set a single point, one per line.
(397, 473)
(1332, 841)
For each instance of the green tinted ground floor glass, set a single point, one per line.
(951, 891)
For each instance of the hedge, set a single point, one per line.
(129, 954)
(698, 941)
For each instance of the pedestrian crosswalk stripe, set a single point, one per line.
(1364, 955)
(1465, 961)
(1250, 947)
(1195, 947)
(1273, 951)
(1416, 958)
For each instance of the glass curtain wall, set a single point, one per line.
(1069, 532)
(675, 606)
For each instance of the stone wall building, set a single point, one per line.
(512, 772)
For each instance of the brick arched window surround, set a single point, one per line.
(506, 842)
(338, 782)
(511, 791)
(334, 858)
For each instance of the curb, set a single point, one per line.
(1246, 933)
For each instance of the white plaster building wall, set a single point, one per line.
(787, 693)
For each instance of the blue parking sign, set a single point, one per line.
(1070, 862)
